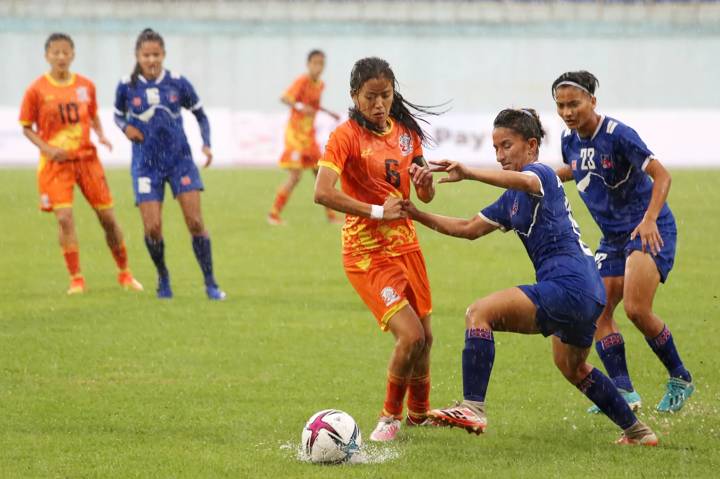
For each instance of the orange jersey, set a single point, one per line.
(300, 132)
(373, 167)
(63, 114)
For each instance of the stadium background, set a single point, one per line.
(655, 62)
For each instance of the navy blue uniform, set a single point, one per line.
(569, 293)
(609, 169)
(154, 107)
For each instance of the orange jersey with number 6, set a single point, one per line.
(63, 114)
(373, 167)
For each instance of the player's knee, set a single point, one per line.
(475, 317)
(154, 230)
(66, 222)
(196, 226)
(637, 312)
(412, 343)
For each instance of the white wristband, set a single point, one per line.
(377, 212)
(298, 106)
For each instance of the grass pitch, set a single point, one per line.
(116, 384)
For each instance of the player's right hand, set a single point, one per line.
(134, 134)
(393, 209)
(410, 208)
(56, 154)
(456, 171)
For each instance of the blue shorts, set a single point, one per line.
(566, 313)
(614, 250)
(149, 183)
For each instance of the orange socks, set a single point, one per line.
(72, 259)
(394, 396)
(419, 396)
(280, 199)
(120, 255)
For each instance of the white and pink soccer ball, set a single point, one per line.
(330, 437)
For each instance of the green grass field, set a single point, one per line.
(116, 384)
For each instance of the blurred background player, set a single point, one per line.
(568, 296)
(377, 154)
(63, 107)
(301, 148)
(625, 188)
(148, 108)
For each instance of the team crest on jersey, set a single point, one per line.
(137, 101)
(406, 144)
(173, 96)
(45, 201)
(606, 161)
(185, 180)
(82, 94)
(515, 207)
(573, 165)
(389, 296)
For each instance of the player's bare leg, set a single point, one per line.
(67, 238)
(409, 335)
(151, 213)
(610, 345)
(641, 281)
(507, 310)
(114, 240)
(283, 195)
(192, 212)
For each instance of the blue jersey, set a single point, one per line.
(609, 169)
(545, 225)
(154, 107)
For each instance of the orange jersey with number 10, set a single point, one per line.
(373, 167)
(63, 114)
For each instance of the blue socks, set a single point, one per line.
(156, 248)
(611, 350)
(477, 362)
(602, 391)
(664, 347)
(203, 253)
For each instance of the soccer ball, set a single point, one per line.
(330, 436)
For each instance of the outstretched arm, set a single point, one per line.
(471, 229)
(564, 173)
(510, 180)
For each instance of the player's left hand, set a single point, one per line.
(104, 141)
(650, 237)
(421, 176)
(208, 155)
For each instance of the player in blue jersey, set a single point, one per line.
(565, 301)
(625, 188)
(148, 108)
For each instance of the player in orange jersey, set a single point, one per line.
(377, 154)
(301, 148)
(63, 108)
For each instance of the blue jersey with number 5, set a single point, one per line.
(609, 169)
(545, 225)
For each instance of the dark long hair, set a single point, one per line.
(147, 35)
(405, 112)
(583, 78)
(56, 37)
(524, 121)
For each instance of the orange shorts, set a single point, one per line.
(390, 283)
(295, 160)
(56, 183)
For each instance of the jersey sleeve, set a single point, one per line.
(189, 99)
(120, 116)
(293, 92)
(498, 213)
(29, 108)
(630, 146)
(546, 175)
(564, 141)
(337, 150)
(92, 106)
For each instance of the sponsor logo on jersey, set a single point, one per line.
(185, 180)
(515, 207)
(137, 101)
(389, 296)
(406, 145)
(366, 153)
(82, 94)
(606, 161)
